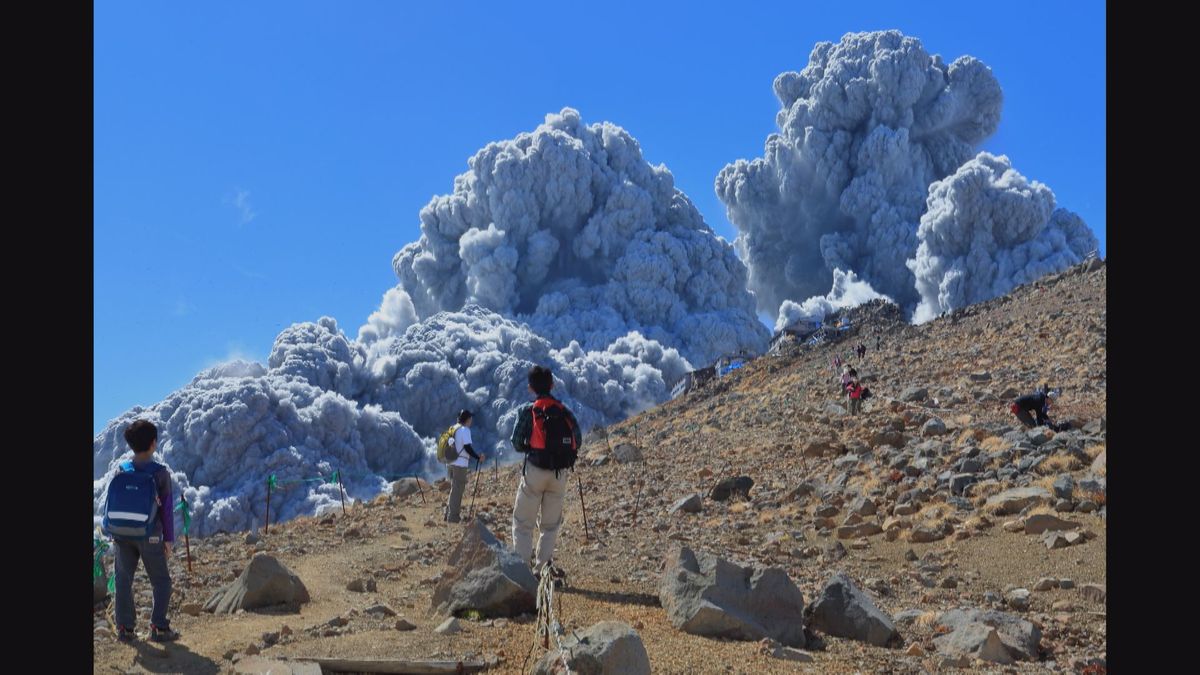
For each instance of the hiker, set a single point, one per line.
(862, 351)
(548, 435)
(138, 515)
(1039, 403)
(846, 376)
(460, 468)
(855, 393)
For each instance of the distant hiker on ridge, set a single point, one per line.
(451, 445)
(1039, 403)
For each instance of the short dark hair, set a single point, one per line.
(464, 415)
(541, 380)
(140, 435)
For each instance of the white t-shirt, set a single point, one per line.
(462, 438)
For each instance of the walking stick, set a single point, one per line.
(419, 488)
(476, 490)
(338, 477)
(187, 523)
(270, 484)
(587, 537)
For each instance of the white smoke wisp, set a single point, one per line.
(229, 429)
(863, 131)
(569, 230)
(848, 291)
(987, 230)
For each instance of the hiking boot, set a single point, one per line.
(125, 634)
(163, 634)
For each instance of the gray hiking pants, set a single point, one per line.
(154, 557)
(459, 476)
(540, 491)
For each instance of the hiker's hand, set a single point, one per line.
(167, 547)
(482, 458)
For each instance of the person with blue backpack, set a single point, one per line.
(548, 435)
(138, 516)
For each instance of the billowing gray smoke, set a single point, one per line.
(863, 131)
(562, 247)
(570, 230)
(988, 230)
(224, 433)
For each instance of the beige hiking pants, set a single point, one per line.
(539, 490)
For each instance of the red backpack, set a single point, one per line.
(553, 434)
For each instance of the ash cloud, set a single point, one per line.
(987, 230)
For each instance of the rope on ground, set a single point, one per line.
(547, 623)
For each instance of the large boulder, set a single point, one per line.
(1040, 523)
(975, 640)
(483, 575)
(608, 647)
(265, 582)
(706, 595)
(1017, 499)
(1020, 637)
(842, 610)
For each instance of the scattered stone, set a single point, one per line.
(1064, 485)
(689, 504)
(910, 555)
(914, 394)
(449, 627)
(484, 575)
(192, 608)
(1064, 506)
(1066, 584)
(1040, 523)
(864, 529)
(1045, 584)
(381, 610)
(914, 650)
(1018, 599)
(362, 585)
(927, 533)
(251, 650)
(1086, 506)
(606, 647)
(405, 625)
(1093, 592)
(732, 486)
(933, 427)
(1100, 464)
(706, 595)
(1019, 636)
(252, 538)
(258, 665)
(842, 610)
(627, 452)
(265, 582)
(409, 486)
(974, 640)
(1016, 500)
(1056, 539)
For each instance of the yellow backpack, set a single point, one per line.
(446, 452)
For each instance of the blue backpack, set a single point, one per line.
(132, 503)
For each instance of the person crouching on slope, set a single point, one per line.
(459, 469)
(548, 435)
(1038, 403)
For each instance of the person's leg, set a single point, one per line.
(458, 485)
(525, 511)
(551, 519)
(125, 564)
(154, 557)
(1025, 418)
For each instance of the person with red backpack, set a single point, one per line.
(548, 435)
(138, 515)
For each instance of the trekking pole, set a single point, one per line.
(270, 484)
(586, 532)
(187, 524)
(341, 492)
(476, 490)
(419, 488)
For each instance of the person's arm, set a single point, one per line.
(471, 451)
(168, 506)
(520, 434)
(575, 429)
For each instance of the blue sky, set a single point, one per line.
(258, 164)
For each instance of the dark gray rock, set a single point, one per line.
(960, 481)
(1040, 523)
(801, 491)
(706, 595)
(732, 486)
(974, 640)
(914, 394)
(627, 452)
(1017, 499)
(265, 582)
(607, 647)
(1064, 485)
(842, 610)
(484, 575)
(1019, 636)
(933, 427)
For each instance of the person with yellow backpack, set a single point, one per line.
(450, 451)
